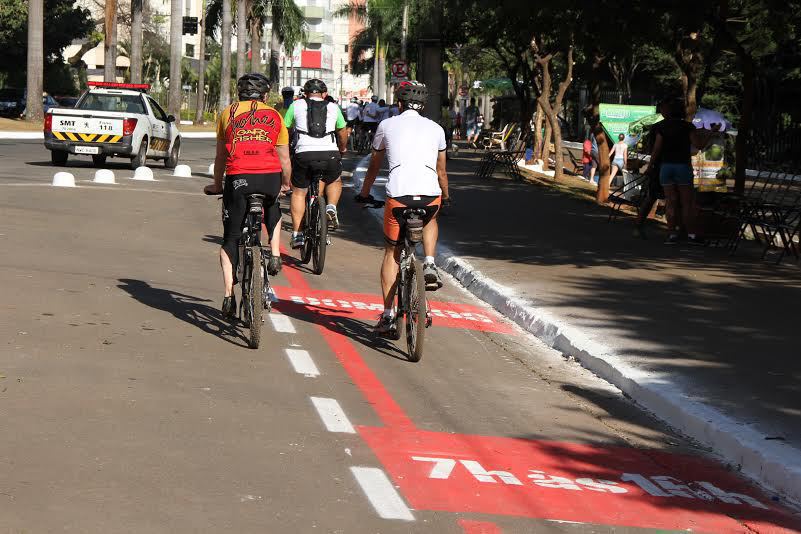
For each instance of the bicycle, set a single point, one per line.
(315, 226)
(412, 302)
(254, 281)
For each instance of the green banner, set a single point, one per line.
(617, 117)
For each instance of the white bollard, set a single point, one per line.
(211, 169)
(104, 176)
(143, 173)
(182, 171)
(63, 179)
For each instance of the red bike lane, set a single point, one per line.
(537, 479)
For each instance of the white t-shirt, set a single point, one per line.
(413, 144)
(352, 111)
(371, 112)
(296, 118)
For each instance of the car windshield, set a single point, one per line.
(112, 102)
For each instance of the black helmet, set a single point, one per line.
(288, 91)
(252, 86)
(315, 86)
(414, 95)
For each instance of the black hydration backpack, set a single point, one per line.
(316, 118)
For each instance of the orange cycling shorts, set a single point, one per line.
(394, 208)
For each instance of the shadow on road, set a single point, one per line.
(187, 308)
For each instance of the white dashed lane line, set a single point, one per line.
(333, 416)
(381, 493)
(281, 323)
(302, 362)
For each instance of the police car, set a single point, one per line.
(113, 120)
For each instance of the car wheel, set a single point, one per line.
(99, 160)
(172, 160)
(59, 157)
(141, 157)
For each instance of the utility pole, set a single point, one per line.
(225, 59)
(404, 30)
(201, 68)
(110, 42)
(176, 37)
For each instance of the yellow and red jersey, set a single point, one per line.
(251, 131)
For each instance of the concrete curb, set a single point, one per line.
(773, 464)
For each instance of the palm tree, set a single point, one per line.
(110, 42)
(176, 34)
(225, 55)
(383, 22)
(241, 36)
(288, 26)
(137, 7)
(35, 59)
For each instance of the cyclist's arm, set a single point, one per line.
(376, 159)
(342, 132)
(286, 164)
(219, 164)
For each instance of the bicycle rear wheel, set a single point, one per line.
(254, 303)
(308, 243)
(415, 292)
(320, 229)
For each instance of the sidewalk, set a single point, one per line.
(708, 343)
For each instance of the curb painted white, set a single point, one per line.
(774, 464)
(199, 135)
(21, 135)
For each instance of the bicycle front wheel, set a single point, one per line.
(255, 299)
(415, 296)
(320, 222)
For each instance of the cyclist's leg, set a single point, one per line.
(235, 205)
(332, 185)
(392, 239)
(300, 183)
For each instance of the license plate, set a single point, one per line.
(87, 150)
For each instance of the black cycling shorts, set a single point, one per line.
(305, 165)
(351, 123)
(235, 203)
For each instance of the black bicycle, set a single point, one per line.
(315, 226)
(252, 271)
(411, 285)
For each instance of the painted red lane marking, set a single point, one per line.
(570, 482)
(548, 480)
(478, 527)
(366, 306)
(390, 413)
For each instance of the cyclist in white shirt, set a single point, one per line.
(415, 147)
(321, 143)
(371, 115)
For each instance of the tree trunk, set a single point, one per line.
(744, 127)
(275, 54)
(545, 154)
(35, 63)
(136, 40)
(110, 42)
(604, 168)
(255, 45)
(241, 36)
(201, 70)
(538, 120)
(176, 30)
(225, 59)
(382, 72)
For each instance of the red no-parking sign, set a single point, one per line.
(400, 69)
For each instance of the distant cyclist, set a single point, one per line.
(321, 141)
(415, 147)
(352, 114)
(253, 153)
(371, 115)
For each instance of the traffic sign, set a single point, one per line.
(400, 69)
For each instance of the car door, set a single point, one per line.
(160, 130)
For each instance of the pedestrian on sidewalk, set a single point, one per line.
(471, 115)
(589, 162)
(675, 138)
(619, 156)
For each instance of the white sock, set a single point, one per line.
(331, 207)
(429, 259)
(388, 313)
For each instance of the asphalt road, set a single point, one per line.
(128, 405)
